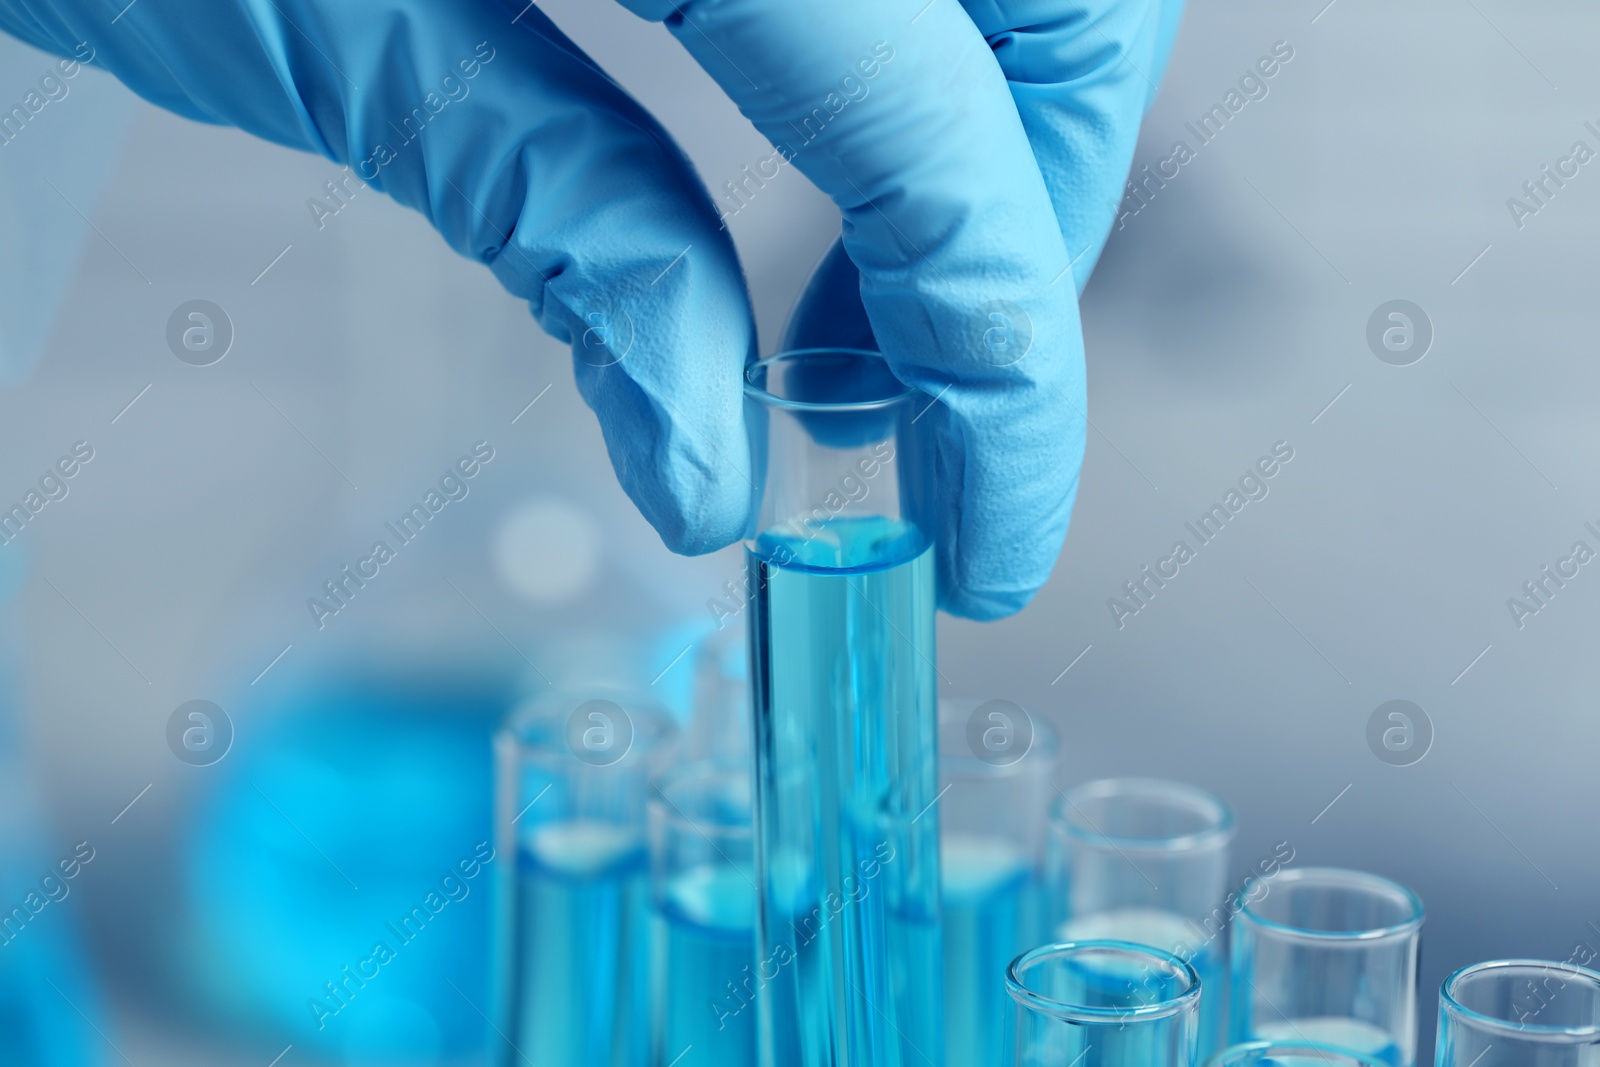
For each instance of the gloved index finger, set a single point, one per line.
(524, 156)
(897, 110)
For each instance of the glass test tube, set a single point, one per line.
(1519, 1013)
(572, 947)
(1288, 1054)
(994, 772)
(845, 719)
(703, 891)
(1329, 956)
(1145, 860)
(1101, 1004)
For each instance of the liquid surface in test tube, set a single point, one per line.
(1353, 1035)
(585, 892)
(846, 761)
(990, 894)
(705, 930)
(1172, 933)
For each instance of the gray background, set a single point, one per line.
(1225, 317)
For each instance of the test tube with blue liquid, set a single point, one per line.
(704, 898)
(1100, 1004)
(995, 763)
(1146, 861)
(573, 941)
(1328, 956)
(845, 715)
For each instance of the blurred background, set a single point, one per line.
(1232, 314)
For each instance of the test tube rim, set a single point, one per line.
(1554, 1035)
(1091, 1016)
(1346, 877)
(761, 394)
(658, 800)
(1217, 835)
(1221, 1057)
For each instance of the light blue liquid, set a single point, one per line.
(1172, 933)
(581, 996)
(989, 902)
(1138, 1044)
(842, 646)
(1351, 1035)
(706, 951)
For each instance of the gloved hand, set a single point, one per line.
(993, 119)
(523, 154)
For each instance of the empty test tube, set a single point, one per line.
(1519, 1013)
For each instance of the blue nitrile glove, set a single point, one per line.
(42, 227)
(580, 203)
(951, 161)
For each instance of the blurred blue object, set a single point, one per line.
(49, 1001)
(339, 878)
(50, 1004)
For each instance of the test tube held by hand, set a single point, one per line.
(844, 708)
